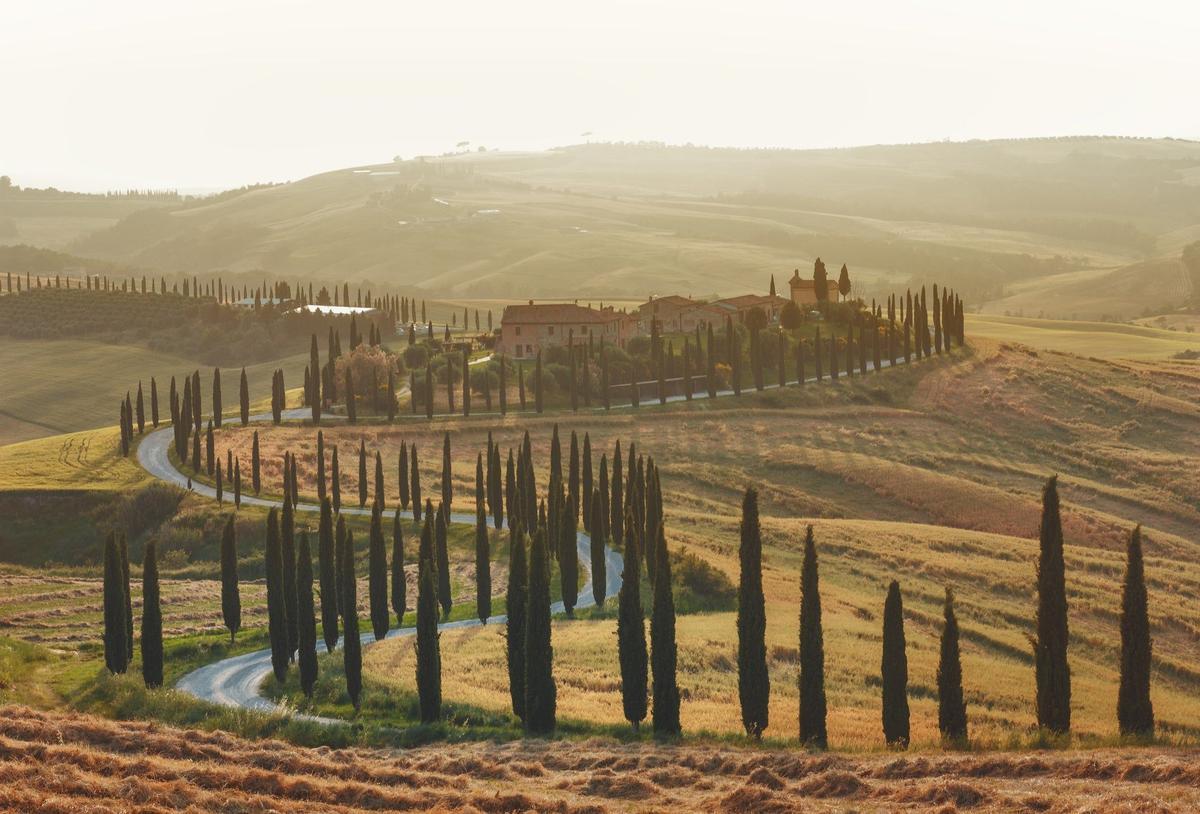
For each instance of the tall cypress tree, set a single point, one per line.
(754, 684)
(1135, 714)
(573, 483)
(483, 567)
(351, 398)
(352, 644)
(447, 483)
(378, 576)
(152, 629)
(541, 694)
(952, 707)
(568, 558)
(153, 402)
(894, 671)
(631, 631)
(231, 600)
(307, 655)
(663, 651)
(414, 486)
(335, 482)
(123, 548)
(380, 490)
(141, 411)
(597, 540)
(288, 548)
(276, 616)
(327, 565)
(616, 508)
(429, 658)
(399, 584)
(813, 708)
(510, 488)
(585, 482)
(362, 474)
(116, 656)
(216, 397)
(255, 465)
(515, 603)
(244, 399)
(1050, 646)
(402, 474)
(440, 525)
(314, 393)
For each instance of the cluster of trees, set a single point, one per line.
(118, 612)
(1135, 713)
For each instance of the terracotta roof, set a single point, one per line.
(558, 314)
(749, 301)
(673, 300)
(801, 282)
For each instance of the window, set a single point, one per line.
(550, 330)
(529, 350)
(518, 330)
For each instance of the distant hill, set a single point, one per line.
(994, 219)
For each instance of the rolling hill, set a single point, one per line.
(1037, 220)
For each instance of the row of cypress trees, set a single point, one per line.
(1134, 710)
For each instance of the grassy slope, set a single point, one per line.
(89, 378)
(1099, 339)
(80, 461)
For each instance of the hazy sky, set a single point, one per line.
(200, 95)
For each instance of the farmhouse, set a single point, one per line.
(738, 307)
(527, 329)
(804, 291)
(338, 310)
(666, 311)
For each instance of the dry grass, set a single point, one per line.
(77, 763)
(931, 476)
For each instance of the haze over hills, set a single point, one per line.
(1076, 227)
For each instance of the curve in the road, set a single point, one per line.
(235, 681)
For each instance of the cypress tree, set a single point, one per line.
(596, 541)
(209, 447)
(288, 550)
(399, 584)
(336, 482)
(402, 474)
(153, 402)
(307, 657)
(216, 397)
(568, 559)
(663, 651)
(616, 509)
(196, 410)
(514, 626)
(447, 483)
(573, 497)
(378, 576)
(314, 394)
(123, 548)
(498, 488)
(276, 616)
(116, 656)
(952, 707)
(196, 462)
(483, 572)
(255, 464)
(894, 671)
(237, 483)
(1135, 714)
(380, 492)
(813, 707)
(141, 411)
(351, 398)
(352, 647)
(429, 657)
(540, 691)
(443, 559)
(321, 485)
(152, 631)
(510, 488)
(428, 390)
(817, 353)
(362, 474)
(631, 633)
(1050, 646)
(415, 486)
(503, 386)
(710, 371)
(537, 383)
(754, 684)
(327, 564)
(231, 600)
(585, 483)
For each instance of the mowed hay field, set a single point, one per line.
(929, 475)
(70, 763)
(57, 386)
(1105, 340)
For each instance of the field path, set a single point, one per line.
(235, 681)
